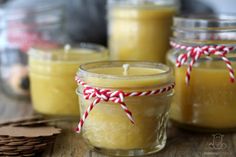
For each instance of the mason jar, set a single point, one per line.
(52, 73)
(204, 60)
(108, 128)
(140, 30)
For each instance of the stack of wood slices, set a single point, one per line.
(26, 137)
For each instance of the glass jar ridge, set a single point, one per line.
(211, 29)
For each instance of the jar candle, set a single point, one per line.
(52, 77)
(205, 98)
(140, 30)
(107, 128)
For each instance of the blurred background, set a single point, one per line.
(85, 20)
(24, 24)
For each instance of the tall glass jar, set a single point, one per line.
(140, 30)
(208, 101)
(52, 73)
(107, 129)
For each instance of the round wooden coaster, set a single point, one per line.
(10, 153)
(29, 155)
(10, 139)
(7, 148)
(21, 120)
(39, 146)
(19, 143)
(4, 142)
(24, 147)
(32, 143)
(28, 131)
(27, 151)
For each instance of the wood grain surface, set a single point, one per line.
(180, 143)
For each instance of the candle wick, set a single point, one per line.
(67, 47)
(126, 69)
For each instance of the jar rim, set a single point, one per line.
(52, 52)
(223, 21)
(200, 28)
(84, 69)
(141, 3)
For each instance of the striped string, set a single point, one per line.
(114, 96)
(194, 53)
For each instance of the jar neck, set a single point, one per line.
(208, 30)
(76, 53)
(142, 3)
(112, 75)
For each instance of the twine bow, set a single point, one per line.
(114, 96)
(194, 53)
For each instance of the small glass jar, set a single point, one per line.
(140, 30)
(52, 74)
(208, 103)
(107, 128)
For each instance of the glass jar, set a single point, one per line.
(208, 102)
(25, 26)
(107, 129)
(140, 30)
(52, 73)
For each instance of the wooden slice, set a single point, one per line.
(24, 147)
(21, 120)
(10, 153)
(28, 131)
(6, 148)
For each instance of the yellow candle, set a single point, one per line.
(140, 31)
(52, 77)
(107, 126)
(209, 101)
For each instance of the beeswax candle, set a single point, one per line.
(52, 77)
(107, 126)
(140, 31)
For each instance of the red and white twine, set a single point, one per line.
(114, 96)
(195, 52)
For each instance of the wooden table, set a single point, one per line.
(179, 144)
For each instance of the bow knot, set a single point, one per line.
(194, 53)
(104, 94)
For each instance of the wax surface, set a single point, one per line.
(210, 99)
(132, 71)
(140, 33)
(52, 81)
(107, 125)
(138, 81)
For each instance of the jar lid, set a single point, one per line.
(142, 2)
(216, 27)
(201, 22)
